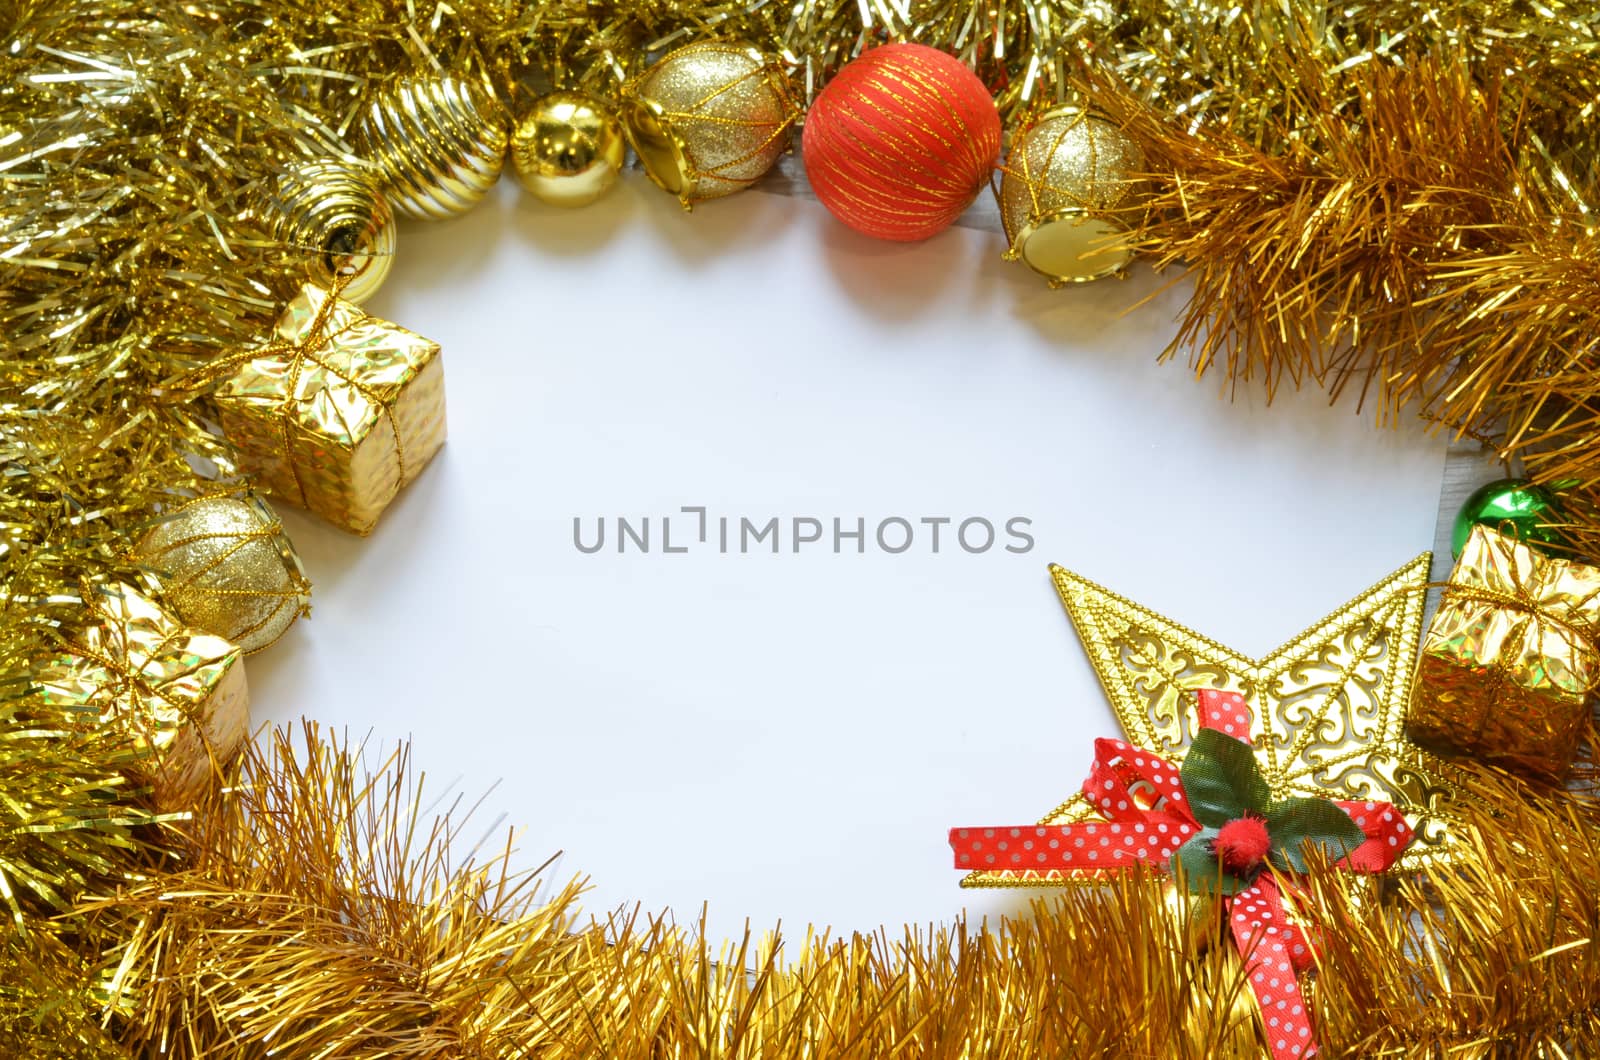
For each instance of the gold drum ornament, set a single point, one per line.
(226, 567)
(1067, 190)
(708, 119)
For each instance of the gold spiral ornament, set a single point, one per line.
(334, 207)
(439, 143)
(709, 119)
(1069, 193)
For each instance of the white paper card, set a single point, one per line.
(788, 736)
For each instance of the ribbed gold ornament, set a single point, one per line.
(1063, 175)
(336, 208)
(709, 119)
(439, 143)
(567, 149)
(226, 566)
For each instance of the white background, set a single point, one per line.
(789, 737)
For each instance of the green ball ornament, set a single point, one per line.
(1514, 506)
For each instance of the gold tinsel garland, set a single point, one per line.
(1381, 194)
(317, 912)
(1396, 199)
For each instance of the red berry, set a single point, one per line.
(1242, 844)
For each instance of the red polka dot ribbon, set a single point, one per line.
(1138, 794)
(1146, 818)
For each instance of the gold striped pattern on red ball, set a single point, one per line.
(900, 141)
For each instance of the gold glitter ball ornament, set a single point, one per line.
(335, 208)
(1069, 186)
(709, 119)
(567, 149)
(439, 143)
(226, 566)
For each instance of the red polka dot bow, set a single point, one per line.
(1213, 824)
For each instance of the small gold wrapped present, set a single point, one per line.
(1510, 660)
(338, 412)
(179, 693)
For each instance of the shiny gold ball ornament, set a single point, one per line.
(709, 119)
(439, 143)
(567, 149)
(1070, 184)
(226, 566)
(335, 208)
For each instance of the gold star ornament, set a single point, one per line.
(1329, 706)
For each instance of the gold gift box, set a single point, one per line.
(1509, 661)
(180, 694)
(338, 412)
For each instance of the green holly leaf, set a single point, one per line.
(1196, 868)
(1299, 825)
(1220, 779)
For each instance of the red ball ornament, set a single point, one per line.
(900, 141)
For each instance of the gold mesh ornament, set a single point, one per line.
(335, 208)
(1065, 181)
(1329, 706)
(226, 566)
(439, 143)
(708, 119)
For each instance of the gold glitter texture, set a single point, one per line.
(177, 694)
(1510, 661)
(339, 412)
(227, 567)
(334, 208)
(439, 143)
(708, 119)
(1329, 705)
(1069, 193)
